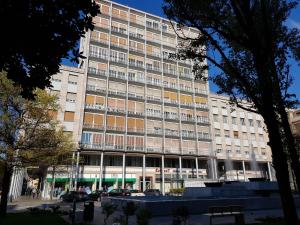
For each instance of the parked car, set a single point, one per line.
(136, 193)
(119, 192)
(97, 195)
(78, 195)
(152, 192)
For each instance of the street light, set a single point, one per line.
(79, 149)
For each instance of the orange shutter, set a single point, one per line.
(89, 99)
(131, 105)
(140, 46)
(182, 98)
(115, 12)
(123, 14)
(100, 100)
(102, 66)
(133, 18)
(189, 99)
(200, 100)
(140, 123)
(94, 35)
(130, 122)
(122, 41)
(104, 9)
(114, 39)
(173, 95)
(69, 116)
(104, 23)
(149, 49)
(111, 121)
(103, 36)
(98, 119)
(88, 118)
(166, 94)
(120, 121)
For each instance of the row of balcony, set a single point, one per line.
(150, 149)
(155, 131)
(123, 76)
(166, 115)
(246, 155)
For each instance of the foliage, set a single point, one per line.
(176, 191)
(250, 44)
(28, 133)
(108, 209)
(129, 210)
(46, 32)
(180, 215)
(143, 216)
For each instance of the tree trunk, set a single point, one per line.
(5, 189)
(281, 168)
(291, 145)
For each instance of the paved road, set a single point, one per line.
(25, 203)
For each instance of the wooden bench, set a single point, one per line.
(231, 210)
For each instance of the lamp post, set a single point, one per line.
(80, 148)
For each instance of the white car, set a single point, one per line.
(136, 193)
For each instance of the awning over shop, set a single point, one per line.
(62, 179)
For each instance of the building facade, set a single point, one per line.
(141, 118)
(239, 142)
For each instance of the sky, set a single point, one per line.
(154, 7)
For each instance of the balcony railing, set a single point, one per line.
(154, 149)
(204, 136)
(201, 106)
(98, 55)
(95, 88)
(153, 98)
(136, 35)
(118, 60)
(134, 148)
(201, 91)
(92, 146)
(135, 95)
(171, 132)
(136, 50)
(154, 83)
(150, 114)
(115, 109)
(118, 30)
(202, 119)
(187, 75)
(135, 129)
(171, 117)
(173, 86)
(93, 126)
(188, 135)
(155, 131)
(95, 71)
(173, 72)
(116, 128)
(137, 79)
(171, 101)
(114, 147)
(185, 88)
(117, 75)
(153, 68)
(155, 54)
(188, 119)
(99, 40)
(133, 112)
(136, 64)
(118, 45)
(117, 92)
(94, 106)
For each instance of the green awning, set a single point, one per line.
(62, 179)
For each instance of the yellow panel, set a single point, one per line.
(183, 98)
(110, 120)
(200, 100)
(189, 98)
(89, 99)
(114, 39)
(115, 12)
(149, 49)
(98, 119)
(173, 95)
(167, 94)
(103, 36)
(88, 118)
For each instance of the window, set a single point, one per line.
(234, 120)
(71, 97)
(242, 121)
(261, 137)
(226, 133)
(225, 119)
(250, 122)
(228, 151)
(238, 151)
(73, 79)
(235, 134)
(217, 132)
(69, 116)
(216, 118)
(258, 123)
(252, 136)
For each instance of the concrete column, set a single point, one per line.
(77, 171)
(269, 171)
(101, 171)
(212, 168)
(216, 168)
(180, 168)
(163, 174)
(123, 171)
(12, 184)
(144, 172)
(72, 172)
(244, 170)
(197, 173)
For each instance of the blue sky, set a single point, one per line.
(154, 7)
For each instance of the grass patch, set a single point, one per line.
(30, 219)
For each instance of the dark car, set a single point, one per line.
(96, 195)
(152, 192)
(78, 195)
(136, 193)
(119, 192)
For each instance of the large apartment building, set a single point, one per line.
(141, 118)
(239, 142)
(144, 118)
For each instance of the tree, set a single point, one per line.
(28, 133)
(129, 210)
(108, 209)
(38, 35)
(250, 45)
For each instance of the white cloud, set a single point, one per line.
(294, 24)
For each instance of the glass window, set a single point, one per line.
(242, 121)
(250, 122)
(216, 118)
(225, 119)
